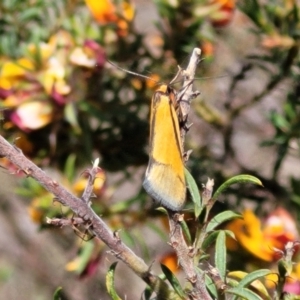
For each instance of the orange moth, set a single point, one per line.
(164, 179)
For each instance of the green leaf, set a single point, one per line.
(209, 240)
(243, 293)
(110, 282)
(194, 192)
(220, 218)
(280, 121)
(249, 278)
(211, 286)
(220, 254)
(57, 293)
(236, 179)
(186, 232)
(162, 210)
(147, 293)
(173, 281)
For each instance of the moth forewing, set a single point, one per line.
(164, 179)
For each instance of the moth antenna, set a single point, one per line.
(179, 72)
(210, 77)
(132, 73)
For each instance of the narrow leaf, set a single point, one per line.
(209, 240)
(194, 192)
(220, 218)
(211, 286)
(186, 232)
(249, 278)
(110, 282)
(244, 293)
(220, 255)
(252, 279)
(236, 179)
(173, 281)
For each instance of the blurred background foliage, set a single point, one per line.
(64, 105)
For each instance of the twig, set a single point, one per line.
(90, 184)
(85, 212)
(186, 94)
(185, 253)
(61, 222)
(185, 256)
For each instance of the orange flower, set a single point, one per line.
(171, 261)
(278, 229)
(249, 235)
(106, 12)
(103, 11)
(223, 13)
(225, 3)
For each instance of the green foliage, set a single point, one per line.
(173, 281)
(220, 218)
(220, 254)
(57, 294)
(194, 192)
(233, 180)
(110, 282)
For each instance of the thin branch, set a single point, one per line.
(85, 212)
(185, 253)
(186, 94)
(91, 179)
(61, 222)
(185, 256)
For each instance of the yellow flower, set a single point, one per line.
(12, 71)
(54, 78)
